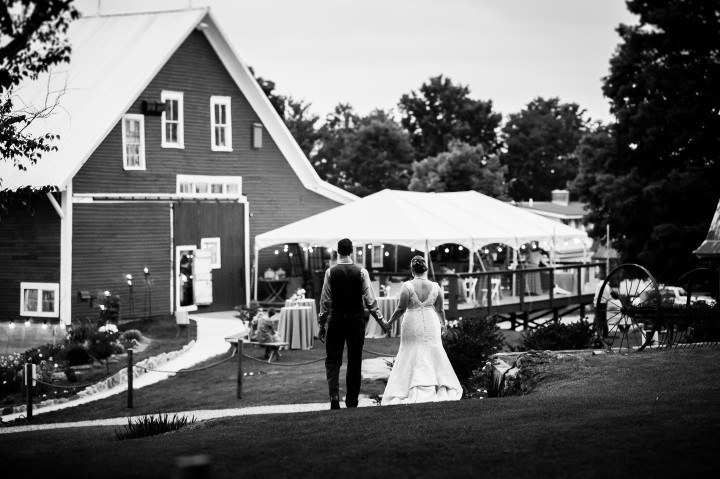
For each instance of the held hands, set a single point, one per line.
(385, 326)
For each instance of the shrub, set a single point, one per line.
(471, 343)
(131, 334)
(79, 332)
(101, 345)
(76, 354)
(558, 336)
(153, 425)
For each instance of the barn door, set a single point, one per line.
(202, 280)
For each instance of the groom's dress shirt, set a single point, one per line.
(368, 296)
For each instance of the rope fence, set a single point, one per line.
(30, 378)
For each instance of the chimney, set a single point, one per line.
(561, 197)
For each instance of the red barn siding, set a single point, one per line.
(112, 240)
(276, 195)
(29, 252)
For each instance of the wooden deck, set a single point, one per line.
(548, 294)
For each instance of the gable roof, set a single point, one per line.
(113, 60)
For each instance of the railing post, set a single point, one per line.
(552, 287)
(130, 377)
(29, 383)
(240, 367)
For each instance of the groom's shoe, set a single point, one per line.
(334, 402)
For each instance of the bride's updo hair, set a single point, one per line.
(418, 265)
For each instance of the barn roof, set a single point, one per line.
(113, 60)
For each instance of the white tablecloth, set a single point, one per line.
(311, 304)
(387, 305)
(296, 326)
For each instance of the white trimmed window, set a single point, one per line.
(172, 120)
(133, 136)
(220, 123)
(39, 299)
(212, 186)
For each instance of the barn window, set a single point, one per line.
(211, 186)
(39, 299)
(172, 120)
(220, 123)
(133, 135)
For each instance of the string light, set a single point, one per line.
(460, 248)
(387, 253)
(447, 250)
(11, 325)
(276, 251)
(27, 323)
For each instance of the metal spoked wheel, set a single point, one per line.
(627, 310)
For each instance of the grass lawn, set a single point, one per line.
(652, 414)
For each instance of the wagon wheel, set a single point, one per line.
(627, 310)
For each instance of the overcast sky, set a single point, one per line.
(368, 53)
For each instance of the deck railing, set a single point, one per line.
(507, 289)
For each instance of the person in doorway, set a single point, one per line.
(346, 292)
(422, 371)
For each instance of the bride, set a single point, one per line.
(422, 370)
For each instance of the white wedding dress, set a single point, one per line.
(422, 371)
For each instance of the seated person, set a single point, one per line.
(267, 328)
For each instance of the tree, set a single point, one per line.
(301, 123)
(32, 39)
(541, 142)
(364, 155)
(334, 134)
(378, 155)
(464, 167)
(664, 171)
(442, 111)
(295, 114)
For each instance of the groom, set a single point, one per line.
(346, 291)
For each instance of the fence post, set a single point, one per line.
(240, 367)
(29, 383)
(130, 376)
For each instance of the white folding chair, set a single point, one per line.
(470, 289)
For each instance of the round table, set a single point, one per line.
(387, 305)
(296, 326)
(311, 304)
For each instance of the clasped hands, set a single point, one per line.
(385, 326)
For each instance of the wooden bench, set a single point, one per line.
(271, 349)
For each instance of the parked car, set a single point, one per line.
(678, 295)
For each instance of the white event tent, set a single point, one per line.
(423, 221)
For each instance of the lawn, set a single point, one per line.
(652, 414)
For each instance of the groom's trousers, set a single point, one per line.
(348, 330)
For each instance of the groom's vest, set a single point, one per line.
(346, 286)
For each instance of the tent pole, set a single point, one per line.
(395, 257)
(255, 267)
(471, 257)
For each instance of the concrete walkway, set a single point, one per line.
(212, 329)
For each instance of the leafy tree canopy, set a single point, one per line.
(463, 167)
(659, 188)
(364, 155)
(541, 142)
(442, 111)
(32, 39)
